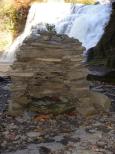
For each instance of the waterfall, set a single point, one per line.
(86, 23)
(83, 22)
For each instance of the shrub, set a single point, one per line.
(50, 28)
(12, 19)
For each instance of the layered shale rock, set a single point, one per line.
(104, 52)
(49, 77)
(102, 57)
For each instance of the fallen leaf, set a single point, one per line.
(71, 113)
(42, 117)
(109, 125)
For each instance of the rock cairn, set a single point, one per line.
(48, 77)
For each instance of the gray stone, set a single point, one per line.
(33, 134)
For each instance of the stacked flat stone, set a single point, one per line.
(48, 76)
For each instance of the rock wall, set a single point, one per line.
(104, 53)
(49, 77)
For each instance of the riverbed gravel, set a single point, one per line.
(47, 134)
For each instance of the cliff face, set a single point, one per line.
(11, 14)
(104, 53)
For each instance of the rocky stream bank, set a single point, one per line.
(47, 133)
(33, 133)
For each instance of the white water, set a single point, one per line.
(83, 22)
(87, 24)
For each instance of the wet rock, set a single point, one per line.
(44, 150)
(107, 77)
(103, 54)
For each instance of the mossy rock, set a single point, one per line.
(47, 106)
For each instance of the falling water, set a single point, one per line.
(83, 22)
(86, 23)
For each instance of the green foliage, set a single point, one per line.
(50, 28)
(11, 18)
(12, 22)
(7, 22)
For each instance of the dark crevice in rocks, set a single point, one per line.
(104, 52)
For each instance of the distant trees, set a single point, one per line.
(13, 14)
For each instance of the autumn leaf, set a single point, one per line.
(42, 117)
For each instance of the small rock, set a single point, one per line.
(12, 126)
(33, 134)
(4, 143)
(90, 130)
(100, 101)
(101, 144)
